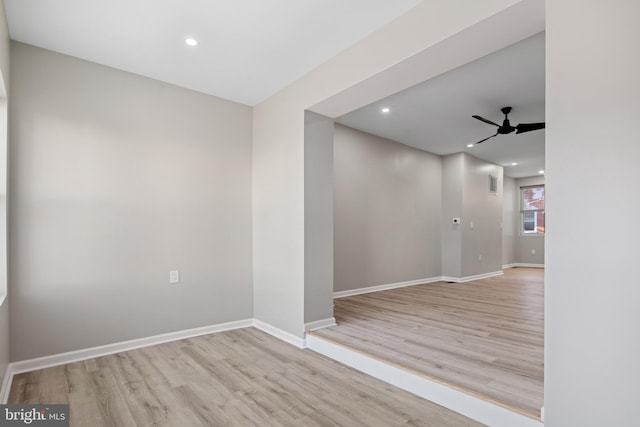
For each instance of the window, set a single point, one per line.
(532, 209)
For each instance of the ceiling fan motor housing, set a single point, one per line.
(506, 127)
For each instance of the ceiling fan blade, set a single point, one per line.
(528, 127)
(483, 140)
(482, 119)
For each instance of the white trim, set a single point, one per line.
(522, 264)
(319, 324)
(342, 294)
(473, 407)
(103, 350)
(280, 334)
(542, 414)
(471, 278)
(6, 385)
(351, 292)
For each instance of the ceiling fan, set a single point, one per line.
(506, 127)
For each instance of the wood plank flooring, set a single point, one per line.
(485, 337)
(236, 378)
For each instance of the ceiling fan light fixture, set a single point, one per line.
(506, 127)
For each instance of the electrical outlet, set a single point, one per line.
(480, 257)
(533, 251)
(174, 277)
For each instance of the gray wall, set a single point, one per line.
(4, 45)
(525, 244)
(278, 216)
(475, 245)
(482, 218)
(452, 185)
(510, 214)
(387, 225)
(387, 211)
(5, 353)
(115, 180)
(516, 246)
(318, 206)
(592, 345)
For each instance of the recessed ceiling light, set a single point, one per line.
(469, 145)
(191, 42)
(514, 164)
(385, 110)
(541, 172)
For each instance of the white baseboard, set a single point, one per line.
(471, 278)
(280, 334)
(319, 324)
(368, 289)
(522, 264)
(473, 407)
(104, 350)
(351, 292)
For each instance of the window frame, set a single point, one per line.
(524, 211)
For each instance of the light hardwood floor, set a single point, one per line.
(237, 378)
(484, 337)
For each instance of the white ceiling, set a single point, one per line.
(249, 49)
(435, 116)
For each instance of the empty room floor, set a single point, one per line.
(483, 337)
(236, 378)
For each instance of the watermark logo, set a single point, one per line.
(34, 415)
